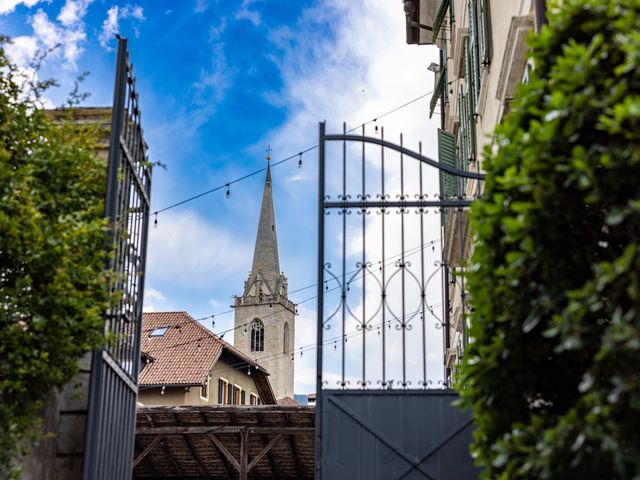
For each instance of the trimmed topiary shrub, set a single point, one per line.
(553, 369)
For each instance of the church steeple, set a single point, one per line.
(266, 264)
(264, 315)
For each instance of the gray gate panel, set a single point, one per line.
(388, 434)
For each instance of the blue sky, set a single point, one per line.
(218, 81)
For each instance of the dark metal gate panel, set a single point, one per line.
(383, 399)
(114, 370)
(400, 434)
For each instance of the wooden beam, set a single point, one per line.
(244, 455)
(224, 461)
(294, 448)
(225, 452)
(146, 451)
(165, 447)
(205, 430)
(213, 409)
(192, 449)
(272, 464)
(263, 452)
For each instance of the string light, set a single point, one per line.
(297, 155)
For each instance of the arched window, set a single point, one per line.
(257, 336)
(285, 342)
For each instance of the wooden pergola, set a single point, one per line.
(225, 442)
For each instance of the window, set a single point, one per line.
(204, 390)
(243, 398)
(229, 395)
(158, 331)
(223, 387)
(480, 48)
(235, 396)
(253, 399)
(285, 339)
(257, 336)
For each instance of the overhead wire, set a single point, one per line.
(391, 259)
(299, 154)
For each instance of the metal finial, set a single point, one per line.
(268, 152)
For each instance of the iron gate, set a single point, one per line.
(113, 386)
(383, 403)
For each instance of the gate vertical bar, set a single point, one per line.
(320, 307)
(445, 316)
(113, 386)
(402, 272)
(422, 282)
(96, 382)
(364, 272)
(383, 197)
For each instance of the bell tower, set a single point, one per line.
(264, 315)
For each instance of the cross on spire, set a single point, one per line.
(268, 152)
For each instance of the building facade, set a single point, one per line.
(483, 58)
(186, 364)
(264, 315)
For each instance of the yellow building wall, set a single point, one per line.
(171, 396)
(192, 395)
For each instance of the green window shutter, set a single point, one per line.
(486, 33)
(438, 19)
(445, 73)
(437, 91)
(447, 156)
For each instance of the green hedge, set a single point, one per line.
(52, 276)
(553, 369)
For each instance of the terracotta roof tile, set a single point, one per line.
(183, 355)
(288, 402)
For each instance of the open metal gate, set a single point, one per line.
(384, 406)
(113, 386)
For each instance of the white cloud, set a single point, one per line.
(213, 83)
(8, 6)
(111, 24)
(73, 12)
(60, 40)
(245, 13)
(45, 30)
(152, 298)
(22, 50)
(193, 254)
(153, 294)
(109, 27)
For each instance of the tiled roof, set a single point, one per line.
(187, 351)
(184, 355)
(288, 402)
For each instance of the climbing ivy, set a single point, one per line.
(52, 256)
(552, 372)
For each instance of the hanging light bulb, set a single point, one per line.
(228, 193)
(300, 160)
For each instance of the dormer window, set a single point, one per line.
(159, 331)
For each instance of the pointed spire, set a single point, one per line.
(265, 255)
